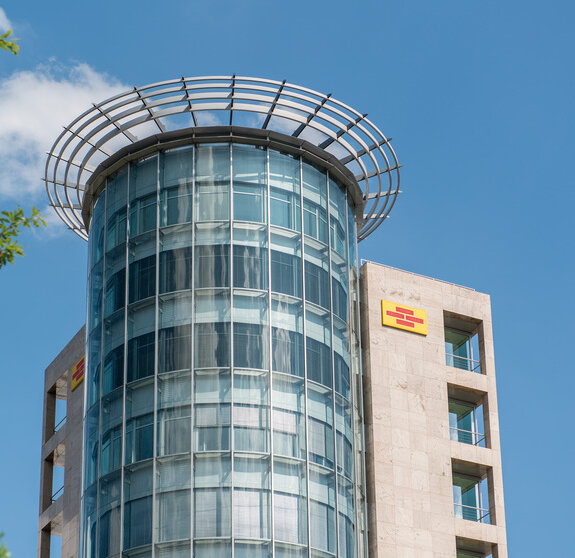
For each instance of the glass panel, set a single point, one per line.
(345, 506)
(287, 335)
(116, 211)
(138, 506)
(317, 274)
(180, 549)
(94, 366)
(341, 358)
(251, 497)
(286, 263)
(290, 504)
(251, 341)
(212, 395)
(212, 549)
(462, 422)
(461, 350)
(212, 386)
(318, 340)
(283, 550)
(173, 515)
(320, 426)
(211, 333)
(112, 412)
(97, 228)
(141, 340)
(91, 447)
(343, 418)
(113, 369)
(212, 496)
(212, 427)
(249, 180)
(115, 291)
(96, 291)
(212, 199)
(143, 196)
(176, 192)
(315, 202)
(142, 272)
(288, 416)
(251, 549)
(339, 286)
(139, 421)
(468, 496)
(250, 257)
(322, 509)
(109, 511)
(284, 191)
(174, 430)
(251, 411)
(212, 255)
(90, 521)
(175, 332)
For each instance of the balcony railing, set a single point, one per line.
(57, 494)
(60, 424)
(471, 513)
(463, 363)
(467, 437)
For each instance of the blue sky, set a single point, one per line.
(478, 98)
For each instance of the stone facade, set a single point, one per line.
(411, 456)
(62, 447)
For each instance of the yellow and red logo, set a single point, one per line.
(77, 374)
(404, 317)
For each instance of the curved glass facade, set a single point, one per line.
(223, 394)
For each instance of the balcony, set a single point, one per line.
(466, 420)
(462, 350)
(470, 497)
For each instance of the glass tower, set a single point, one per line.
(224, 391)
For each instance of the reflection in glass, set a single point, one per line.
(212, 199)
(200, 343)
(249, 183)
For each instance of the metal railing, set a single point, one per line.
(57, 494)
(467, 437)
(470, 513)
(59, 425)
(463, 363)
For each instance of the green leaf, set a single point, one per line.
(11, 224)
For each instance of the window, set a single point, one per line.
(471, 492)
(142, 278)
(462, 343)
(467, 417)
(469, 548)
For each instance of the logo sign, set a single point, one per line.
(77, 374)
(404, 317)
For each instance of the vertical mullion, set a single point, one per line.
(269, 325)
(332, 360)
(125, 364)
(99, 403)
(155, 526)
(352, 371)
(192, 356)
(231, 282)
(358, 403)
(306, 418)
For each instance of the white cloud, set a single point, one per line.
(34, 105)
(5, 23)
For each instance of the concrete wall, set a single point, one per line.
(62, 448)
(409, 454)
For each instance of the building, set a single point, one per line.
(226, 409)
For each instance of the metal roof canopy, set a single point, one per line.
(132, 116)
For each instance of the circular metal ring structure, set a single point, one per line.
(137, 114)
